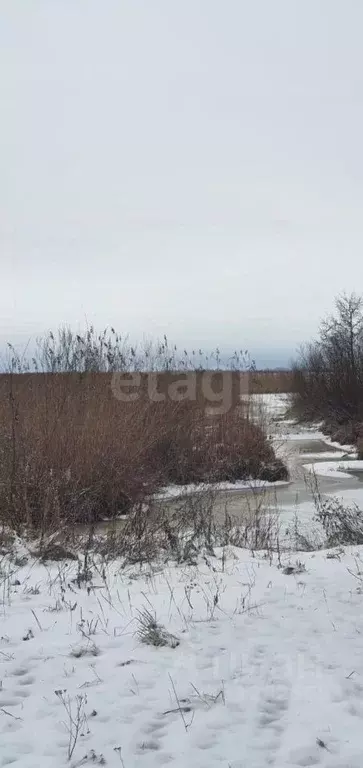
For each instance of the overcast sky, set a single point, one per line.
(193, 167)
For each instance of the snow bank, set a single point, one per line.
(337, 469)
(268, 670)
(333, 455)
(177, 491)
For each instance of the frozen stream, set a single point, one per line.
(299, 447)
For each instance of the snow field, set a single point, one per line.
(267, 664)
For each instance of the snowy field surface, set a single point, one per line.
(268, 669)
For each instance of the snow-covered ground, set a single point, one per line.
(339, 469)
(268, 670)
(263, 665)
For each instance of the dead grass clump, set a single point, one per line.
(88, 649)
(150, 632)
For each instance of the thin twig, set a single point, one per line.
(37, 620)
(5, 712)
(180, 709)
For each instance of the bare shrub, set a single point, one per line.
(342, 524)
(7, 541)
(76, 719)
(257, 529)
(303, 538)
(178, 529)
(328, 376)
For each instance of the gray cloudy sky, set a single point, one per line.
(193, 167)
